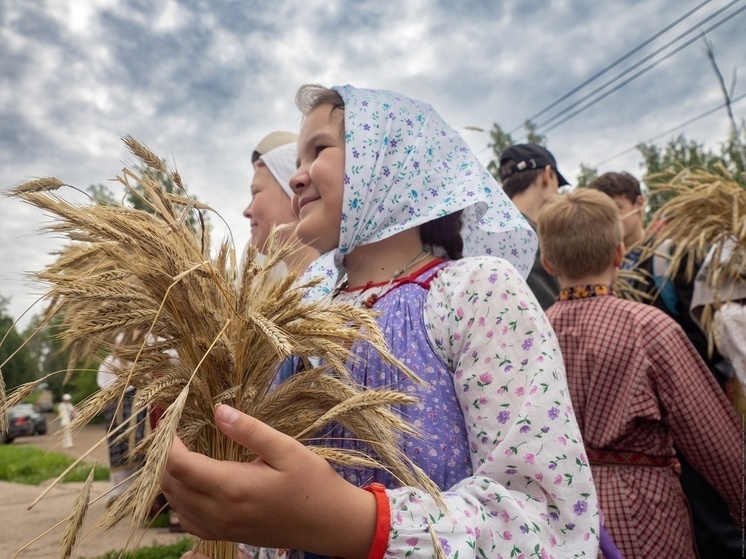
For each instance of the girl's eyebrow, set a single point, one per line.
(319, 137)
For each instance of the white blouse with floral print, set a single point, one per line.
(531, 494)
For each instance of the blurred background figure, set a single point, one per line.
(122, 462)
(66, 412)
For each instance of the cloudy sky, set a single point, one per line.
(200, 82)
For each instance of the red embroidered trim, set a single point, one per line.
(414, 274)
(383, 521)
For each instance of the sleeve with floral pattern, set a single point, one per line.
(531, 494)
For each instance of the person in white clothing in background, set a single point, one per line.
(66, 412)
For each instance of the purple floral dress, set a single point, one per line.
(443, 449)
(498, 392)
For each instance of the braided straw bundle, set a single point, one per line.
(207, 337)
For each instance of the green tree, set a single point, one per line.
(500, 140)
(659, 163)
(45, 346)
(48, 350)
(585, 176)
(679, 153)
(20, 368)
(102, 194)
(734, 152)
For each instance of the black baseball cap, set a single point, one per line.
(528, 157)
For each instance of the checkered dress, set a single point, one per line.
(639, 388)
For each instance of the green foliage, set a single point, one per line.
(21, 367)
(500, 140)
(734, 153)
(532, 136)
(22, 464)
(102, 194)
(661, 163)
(82, 384)
(677, 154)
(585, 176)
(157, 551)
(49, 352)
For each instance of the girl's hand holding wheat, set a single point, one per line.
(288, 497)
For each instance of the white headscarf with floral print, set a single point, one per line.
(404, 166)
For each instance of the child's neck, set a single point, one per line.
(381, 261)
(607, 277)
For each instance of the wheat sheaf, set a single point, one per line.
(210, 334)
(706, 208)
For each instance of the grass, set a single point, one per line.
(33, 466)
(158, 551)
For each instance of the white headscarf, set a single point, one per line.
(281, 163)
(404, 166)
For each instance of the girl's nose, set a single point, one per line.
(247, 210)
(299, 180)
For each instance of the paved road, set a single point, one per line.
(19, 526)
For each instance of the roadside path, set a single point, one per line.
(18, 526)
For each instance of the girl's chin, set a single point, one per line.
(314, 231)
(306, 235)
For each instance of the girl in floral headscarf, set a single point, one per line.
(394, 199)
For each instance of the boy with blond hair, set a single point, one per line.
(637, 385)
(716, 535)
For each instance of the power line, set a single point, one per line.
(612, 65)
(625, 82)
(639, 63)
(667, 132)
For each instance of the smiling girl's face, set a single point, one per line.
(270, 206)
(318, 183)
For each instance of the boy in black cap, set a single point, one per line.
(530, 178)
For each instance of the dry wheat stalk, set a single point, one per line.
(129, 270)
(3, 403)
(624, 285)
(77, 516)
(708, 207)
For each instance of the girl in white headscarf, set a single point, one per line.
(394, 199)
(270, 204)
